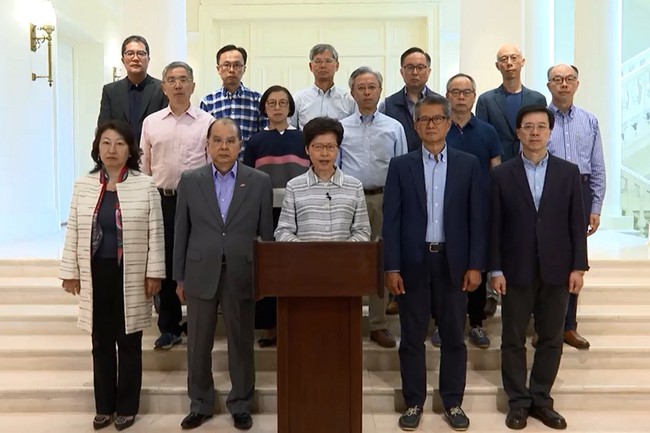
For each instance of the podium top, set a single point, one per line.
(318, 269)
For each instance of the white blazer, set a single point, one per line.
(143, 242)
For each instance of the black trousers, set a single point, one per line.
(117, 373)
(571, 320)
(475, 304)
(170, 314)
(427, 288)
(547, 303)
(266, 309)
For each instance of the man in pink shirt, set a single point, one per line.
(173, 140)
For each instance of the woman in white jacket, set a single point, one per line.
(114, 258)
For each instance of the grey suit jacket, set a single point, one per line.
(491, 107)
(202, 240)
(115, 102)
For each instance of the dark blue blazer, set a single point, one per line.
(405, 215)
(491, 107)
(397, 107)
(523, 238)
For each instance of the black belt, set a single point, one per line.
(585, 178)
(435, 247)
(374, 191)
(167, 192)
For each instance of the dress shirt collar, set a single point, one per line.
(361, 119)
(232, 173)
(557, 111)
(289, 128)
(530, 164)
(142, 84)
(472, 123)
(425, 91)
(328, 92)
(336, 179)
(238, 92)
(428, 156)
(191, 111)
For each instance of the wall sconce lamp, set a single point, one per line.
(117, 73)
(39, 34)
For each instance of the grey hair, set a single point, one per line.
(174, 65)
(365, 70)
(434, 100)
(320, 49)
(550, 71)
(461, 75)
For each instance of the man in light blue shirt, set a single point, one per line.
(322, 98)
(371, 139)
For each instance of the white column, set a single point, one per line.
(538, 49)
(163, 23)
(598, 57)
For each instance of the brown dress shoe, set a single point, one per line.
(573, 339)
(383, 338)
(392, 308)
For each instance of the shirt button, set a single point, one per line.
(327, 228)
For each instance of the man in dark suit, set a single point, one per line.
(435, 246)
(221, 208)
(137, 95)
(538, 246)
(499, 107)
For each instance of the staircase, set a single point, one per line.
(46, 369)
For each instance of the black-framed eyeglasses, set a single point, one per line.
(436, 120)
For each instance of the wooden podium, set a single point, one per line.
(319, 286)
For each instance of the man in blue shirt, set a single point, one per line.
(233, 99)
(472, 135)
(371, 139)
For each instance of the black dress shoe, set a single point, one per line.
(123, 422)
(516, 418)
(193, 420)
(243, 421)
(101, 421)
(549, 417)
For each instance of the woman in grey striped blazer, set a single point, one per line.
(114, 258)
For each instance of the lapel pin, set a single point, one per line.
(242, 185)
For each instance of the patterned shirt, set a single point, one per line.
(576, 138)
(314, 210)
(242, 106)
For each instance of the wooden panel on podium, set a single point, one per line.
(319, 286)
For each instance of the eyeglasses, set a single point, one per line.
(570, 79)
(230, 142)
(328, 147)
(174, 80)
(411, 68)
(363, 89)
(282, 103)
(436, 120)
(327, 61)
(456, 92)
(140, 54)
(227, 66)
(529, 127)
(513, 58)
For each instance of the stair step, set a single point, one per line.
(166, 392)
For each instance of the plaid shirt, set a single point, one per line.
(241, 106)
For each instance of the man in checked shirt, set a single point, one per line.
(233, 99)
(576, 138)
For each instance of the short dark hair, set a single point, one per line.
(136, 38)
(527, 109)
(133, 163)
(323, 125)
(227, 121)
(414, 50)
(276, 88)
(231, 47)
(434, 99)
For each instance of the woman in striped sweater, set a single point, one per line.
(114, 259)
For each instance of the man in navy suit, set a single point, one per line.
(137, 95)
(499, 108)
(435, 247)
(538, 255)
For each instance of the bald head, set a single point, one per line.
(509, 63)
(508, 49)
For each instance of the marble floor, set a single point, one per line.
(603, 245)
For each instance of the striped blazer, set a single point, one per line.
(143, 241)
